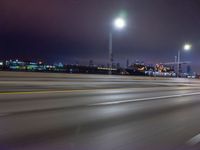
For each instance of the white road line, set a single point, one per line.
(144, 99)
(195, 140)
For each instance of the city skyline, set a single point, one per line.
(65, 31)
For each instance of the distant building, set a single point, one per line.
(60, 65)
(32, 66)
(189, 70)
(118, 66)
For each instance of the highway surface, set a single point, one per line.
(42, 111)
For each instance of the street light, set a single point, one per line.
(119, 23)
(186, 47)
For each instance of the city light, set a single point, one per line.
(119, 23)
(187, 47)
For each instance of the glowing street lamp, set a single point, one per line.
(186, 47)
(119, 23)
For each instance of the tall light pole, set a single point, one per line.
(119, 23)
(186, 47)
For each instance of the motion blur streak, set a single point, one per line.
(34, 115)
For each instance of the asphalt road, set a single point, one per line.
(40, 111)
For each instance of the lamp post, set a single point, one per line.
(186, 47)
(119, 23)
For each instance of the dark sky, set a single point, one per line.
(77, 30)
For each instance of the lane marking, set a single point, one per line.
(67, 91)
(195, 140)
(144, 99)
(44, 92)
(86, 90)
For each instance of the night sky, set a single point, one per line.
(77, 30)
